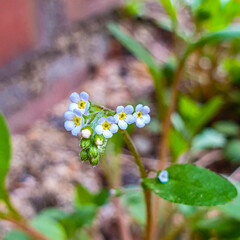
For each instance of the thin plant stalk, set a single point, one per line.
(143, 174)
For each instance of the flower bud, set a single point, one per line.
(94, 161)
(85, 143)
(163, 176)
(84, 155)
(86, 132)
(93, 152)
(99, 139)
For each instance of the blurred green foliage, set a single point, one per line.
(207, 116)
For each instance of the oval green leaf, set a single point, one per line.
(5, 156)
(232, 151)
(5, 149)
(192, 185)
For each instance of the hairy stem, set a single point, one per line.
(143, 174)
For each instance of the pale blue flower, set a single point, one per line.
(141, 115)
(163, 176)
(79, 101)
(106, 126)
(74, 121)
(124, 116)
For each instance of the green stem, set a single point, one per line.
(134, 152)
(143, 174)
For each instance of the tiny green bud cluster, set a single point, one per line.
(91, 145)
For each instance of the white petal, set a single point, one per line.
(130, 119)
(116, 117)
(72, 106)
(69, 115)
(111, 119)
(146, 110)
(129, 109)
(135, 116)
(101, 120)
(87, 107)
(140, 123)
(99, 129)
(107, 134)
(77, 112)
(120, 109)
(69, 125)
(83, 124)
(74, 97)
(76, 130)
(122, 124)
(113, 128)
(84, 96)
(138, 107)
(146, 118)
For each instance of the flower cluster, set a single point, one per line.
(95, 124)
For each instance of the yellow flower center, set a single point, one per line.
(77, 120)
(121, 115)
(81, 104)
(139, 114)
(106, 125)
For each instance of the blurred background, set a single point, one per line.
(51, 48)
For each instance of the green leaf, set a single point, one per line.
(209, 138)
(49, 227)
(223, 228)
(192, 185)
(187, 210)
(227, 34)
(71, 223)
(53, 213)
(133, 8)
(5, 157)
(5, 150)
(208, 111)
(143, 55)
(217, 14)
(16, 235)
(231, 209)
(102, 197)
(83, 197)
(178, 144)
(82, 234)
(133, 200)
(232, 66)
(196, 116)
(232, 151)
(169, 8)
(227, 128)
(76, 220)
(188, 108)
(134, 47)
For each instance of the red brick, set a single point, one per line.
(82, 9)
(17, 28)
